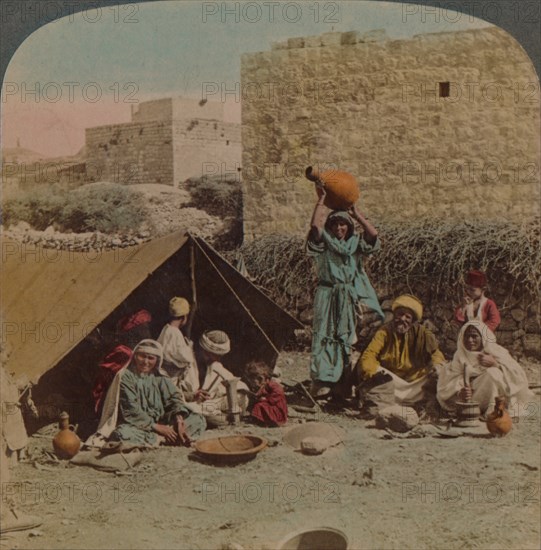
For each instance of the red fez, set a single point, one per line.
(140, 317)
(476, 278)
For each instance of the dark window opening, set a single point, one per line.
(445, 89)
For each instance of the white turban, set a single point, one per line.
(215, 341)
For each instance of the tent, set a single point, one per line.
(52, 300)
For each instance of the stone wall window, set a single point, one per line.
(445, 89)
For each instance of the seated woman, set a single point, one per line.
(144, 408)
(203, 386)
(490, 369)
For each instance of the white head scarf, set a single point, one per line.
(514, 376)
(152, 347)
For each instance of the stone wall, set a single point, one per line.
(378, 108)
(169, 141)
(205, 147)
(519, 331)
(137, 152)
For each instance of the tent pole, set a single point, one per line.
(194, 290)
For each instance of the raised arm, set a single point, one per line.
(319, 217)
(370, 233)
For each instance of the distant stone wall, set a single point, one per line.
(441, 125)
(205, 148)
(131, 153)
(169, 141)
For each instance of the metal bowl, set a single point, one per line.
(231, 448)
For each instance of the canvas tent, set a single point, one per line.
(52, 300)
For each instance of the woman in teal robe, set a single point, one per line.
(150, 405)
(342, 283)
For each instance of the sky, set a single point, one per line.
(90, 68)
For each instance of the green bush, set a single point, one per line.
(216, 195)
(108, 208)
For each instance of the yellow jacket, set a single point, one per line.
(409, 356)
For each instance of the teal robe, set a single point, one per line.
(342, 282)
(148, 399)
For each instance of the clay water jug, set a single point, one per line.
(66, 443)
(341, 187)
(499, 421)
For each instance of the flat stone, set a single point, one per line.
(314, 445)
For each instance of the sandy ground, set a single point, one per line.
(381, 491)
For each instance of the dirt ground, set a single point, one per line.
(381, 491)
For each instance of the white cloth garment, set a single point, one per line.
(407, 392)
(178, 354)
(506, 378)
(217, 403)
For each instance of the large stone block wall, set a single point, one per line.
(519, 331)
(131, 153)
(169, 141)
(372, 106)
(205, 147)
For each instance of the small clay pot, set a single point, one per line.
(66, 443)
(499, 421)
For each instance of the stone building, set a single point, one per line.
(167, 141)
(440, 125)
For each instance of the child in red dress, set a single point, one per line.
(270, 407)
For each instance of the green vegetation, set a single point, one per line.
(107, 207)
(217, 195)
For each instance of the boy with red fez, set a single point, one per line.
(476, 306)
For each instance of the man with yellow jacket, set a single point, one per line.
(401, 361)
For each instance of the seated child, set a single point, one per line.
(203, 386)
(476, 306)
(270, 407)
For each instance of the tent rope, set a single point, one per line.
(254, 320)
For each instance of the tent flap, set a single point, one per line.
(51, 300)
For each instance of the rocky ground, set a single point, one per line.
(382, 490)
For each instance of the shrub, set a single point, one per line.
(216, 195)
(108, 208)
